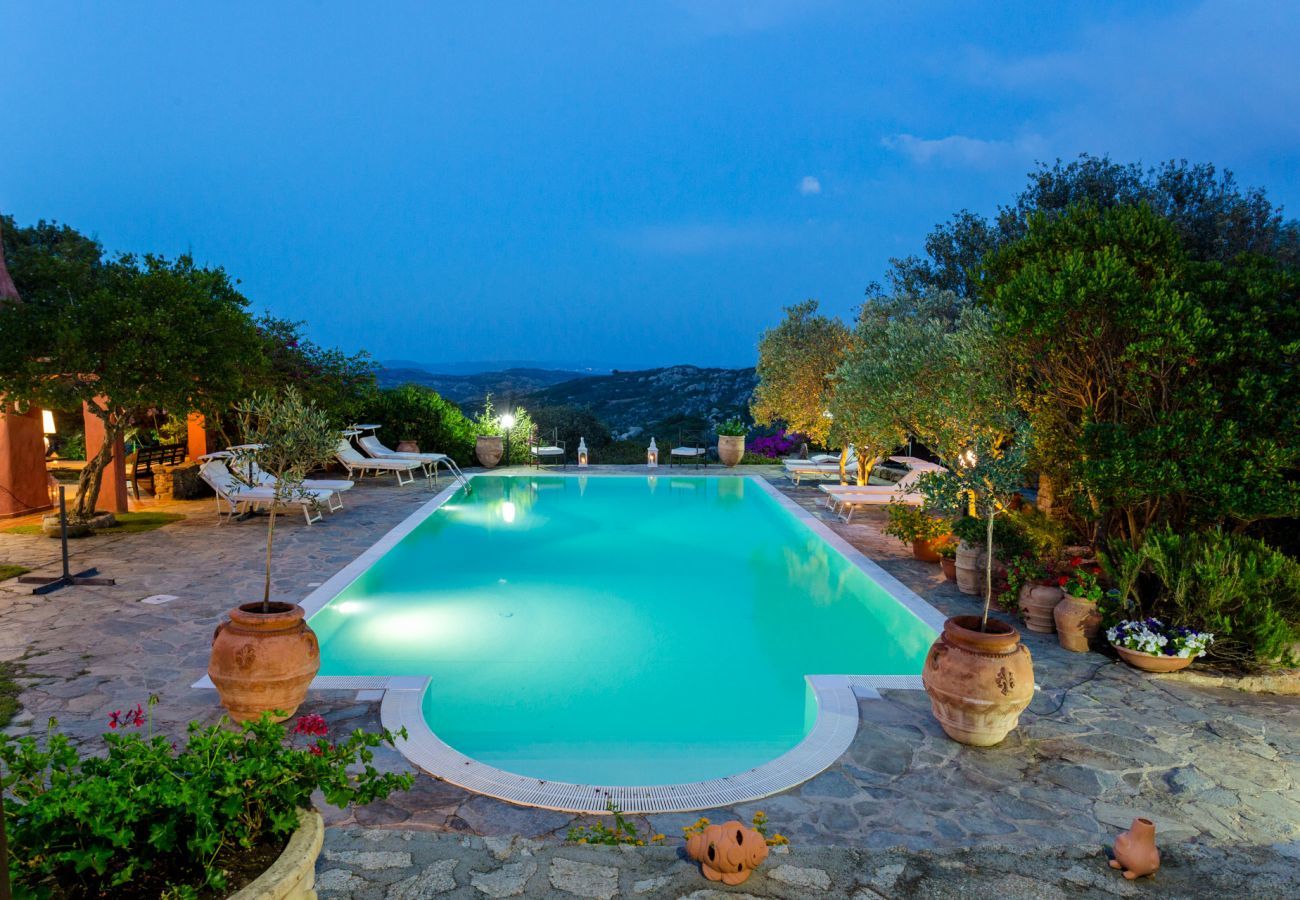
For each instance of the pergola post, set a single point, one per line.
(112, 485)
(199, 438)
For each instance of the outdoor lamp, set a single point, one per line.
(582, 451)
(652, 455)
(47, 426)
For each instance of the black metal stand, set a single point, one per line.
(49, 585)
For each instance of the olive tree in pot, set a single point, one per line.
(265, 655)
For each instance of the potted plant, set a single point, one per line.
(1077, 616)
(1152, 646)
(1031, 593)
(947, 550)
(913, 525)
(264, 656)
(731, 441)
(222, 810)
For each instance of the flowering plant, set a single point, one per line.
(1082, 581)
(1021, 570)
(776, 444)
(1155, 637)
(149, 818)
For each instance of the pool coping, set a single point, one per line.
(836, 696)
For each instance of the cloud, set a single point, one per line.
(809, 185)
(961, 150)
(697, 238)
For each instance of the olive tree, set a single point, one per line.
(796, 360)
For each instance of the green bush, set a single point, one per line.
(146, 818)
(1240, 589)
(1008, 535)
(732, 428)
(420, 414)
(911, 523)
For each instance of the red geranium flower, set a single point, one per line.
(1076, 561)
(1062, 580)
(313, 725)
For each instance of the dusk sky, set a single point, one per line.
(626, 184)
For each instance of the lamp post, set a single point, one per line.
(508, 422)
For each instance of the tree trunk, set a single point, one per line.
(865, 466)
(988, 570)
(92, 475)
(270, 537)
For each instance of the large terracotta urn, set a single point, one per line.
(978, 681)
(488, 449)
(731, 448)
(924, 551)
(1077, 622)
(969, 571)
(263, 661)
(1037, 603)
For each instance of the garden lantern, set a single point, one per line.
(652, 455)
(582, 452)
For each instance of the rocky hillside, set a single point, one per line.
(469, 390)
(629, 402)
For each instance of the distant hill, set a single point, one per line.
(628, 401)
(482, 367)
(469, 390)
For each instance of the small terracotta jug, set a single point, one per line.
(727, 852)
(1135, 850)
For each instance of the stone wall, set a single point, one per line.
(179, 482)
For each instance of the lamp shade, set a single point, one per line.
(47, 421)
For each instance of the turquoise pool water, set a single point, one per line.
(617, 630)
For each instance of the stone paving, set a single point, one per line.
(1218, 770)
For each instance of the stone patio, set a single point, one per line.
(905, 812)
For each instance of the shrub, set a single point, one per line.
(1009, 538)
(731, 428)
(146, 818)
(572, 423)
(1240, 589)
(420, 414)
(911, 523)
(775, 445)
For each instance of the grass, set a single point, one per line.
(8, 571)
(127, 523)
(8, 693)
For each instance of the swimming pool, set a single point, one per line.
(619, 631)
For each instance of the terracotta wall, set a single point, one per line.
(24, 486)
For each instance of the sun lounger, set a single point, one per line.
(356, 464)
(240, 497)
(373, 446)
(844, 499)
(335, 485)
(798, 469)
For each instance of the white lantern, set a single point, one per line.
(582, 451)
(652, 455)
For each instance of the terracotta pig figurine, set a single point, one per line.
(727, 852)
(1135, 850)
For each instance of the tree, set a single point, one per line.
(340, 385)
(1141, 368)
(795, 363)
(291, 436)
(1215, 220)
(142, 332)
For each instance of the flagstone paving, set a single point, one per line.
(1218, 770)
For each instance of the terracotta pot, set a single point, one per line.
(727, 852)
(263, 662)
(1037, 603)
(1077, 623)
(978, 681)
(1135, 850)
(949, 566)
(488, 448)
(408, 447)
(924, 551)
(731, 448)
(969, 568)
(1152, 662)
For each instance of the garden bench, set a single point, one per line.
(145, 458)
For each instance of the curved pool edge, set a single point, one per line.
(831, 735)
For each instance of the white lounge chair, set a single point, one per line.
(824, 465)
(356, 464)
(844, 499)
(373, 446)
(336, 485)
(240, 497)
